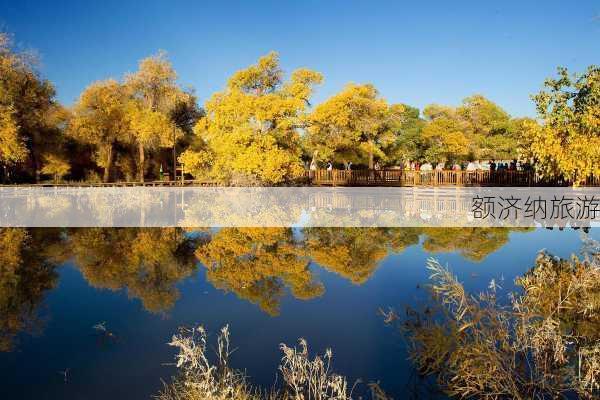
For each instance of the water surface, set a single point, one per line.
(269, 285)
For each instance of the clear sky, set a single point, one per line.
(415, 52)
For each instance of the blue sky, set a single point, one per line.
(415, 52)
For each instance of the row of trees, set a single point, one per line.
(262, 126)
(110, 130)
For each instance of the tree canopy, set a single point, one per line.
(154, 94)
(250, 130)
(27, 105)
(567, 143)
(147, 111)
(28, 262)
(355, 125)
(477, 129)
(262, 129)
(259, 265)
(99, 118)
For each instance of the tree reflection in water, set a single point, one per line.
(28, 260)
(355, 253)
(259, 265)
(147, 262)
(474, 244)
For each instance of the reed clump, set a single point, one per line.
(303, 378)
(544, 342)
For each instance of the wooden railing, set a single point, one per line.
(398, 177)
(363, 177)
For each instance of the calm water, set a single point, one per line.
(270, 286)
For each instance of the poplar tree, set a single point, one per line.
(251, 129)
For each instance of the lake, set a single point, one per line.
(87, 312)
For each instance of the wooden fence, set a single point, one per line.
(398, 177)
(386, 177)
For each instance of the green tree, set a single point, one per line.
(444, 135)
(478, 128)
(484, 116)
(408, 130)
(489, 128)
(184, 114)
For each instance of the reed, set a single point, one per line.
(543, 343)
(303, 378)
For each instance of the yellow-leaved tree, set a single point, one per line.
(12, 147)
(28, 262)
(355, 124)
(567, 144)
(251, 129)
(355, 253)
(154, 93)
(55, 166)
(99, 118)
(445, 135)
(26, 104)
(150, 129)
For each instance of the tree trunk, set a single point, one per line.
(174, 165)
(36, 166)
(109, 162)
(371, 161)
(174, 158)
(141, 166)
(35, 163)
(36, 155)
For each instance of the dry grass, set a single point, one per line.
(311, 379)
(201, 379)
(544, 343)
(303, 378)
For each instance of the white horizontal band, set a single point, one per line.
(298, 206)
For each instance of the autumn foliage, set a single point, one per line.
(263, 129)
